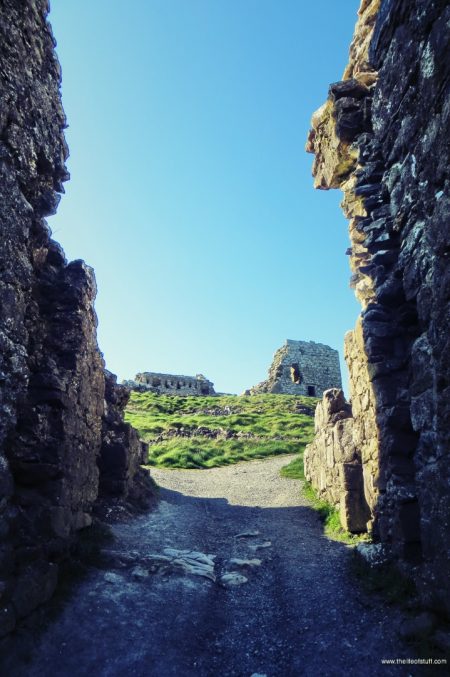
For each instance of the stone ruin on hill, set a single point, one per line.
(383, 137)
(301, 368)
(171, 384)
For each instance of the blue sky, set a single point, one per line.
(191, 194)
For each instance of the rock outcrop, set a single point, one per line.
(301, 368)
(52, 417)
(171, 384)
(383, 138)
(122, 452)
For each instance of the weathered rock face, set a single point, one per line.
(333, 461)
(302, 368)
(52, 373)
(171, 384)
(383, 137)
(122, 452)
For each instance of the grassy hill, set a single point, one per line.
(203, 432)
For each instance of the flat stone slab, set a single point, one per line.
(233, 579)
(236, 562)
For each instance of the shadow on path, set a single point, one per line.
(299, 613)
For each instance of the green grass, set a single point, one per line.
(204, 453)
(294, 469)
(272, 420)
(330, 518)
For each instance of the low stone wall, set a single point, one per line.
(333, 461)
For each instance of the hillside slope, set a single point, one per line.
(203, 432)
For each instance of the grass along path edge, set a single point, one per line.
(328, 514)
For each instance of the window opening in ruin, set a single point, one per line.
(295, 373)
(311, 391)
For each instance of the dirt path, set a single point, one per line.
(299, 613)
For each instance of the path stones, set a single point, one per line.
(260, 546)
(248, 534)
(139, 573)
(191, 562)
(251, 563)
(193, 555)
(111, 577)
(185, 562)
(188, 562)
(233, 579)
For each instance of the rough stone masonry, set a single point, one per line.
(302, 368)
(63, 442)
(171, 384)
(383, 137)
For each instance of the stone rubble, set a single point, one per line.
(236, 562)
(248, 534)
(185, 563)
(233, 579)
(260, 546)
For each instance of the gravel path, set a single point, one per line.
(298, 613)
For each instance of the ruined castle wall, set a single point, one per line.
(173, 384)
(52, 373)
(302, 368)
(383, 137)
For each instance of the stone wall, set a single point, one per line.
(52, 373)
(383, 138)
(333, 462)
(302, 368)
(171, 384)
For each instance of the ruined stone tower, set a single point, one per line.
(302, 368)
